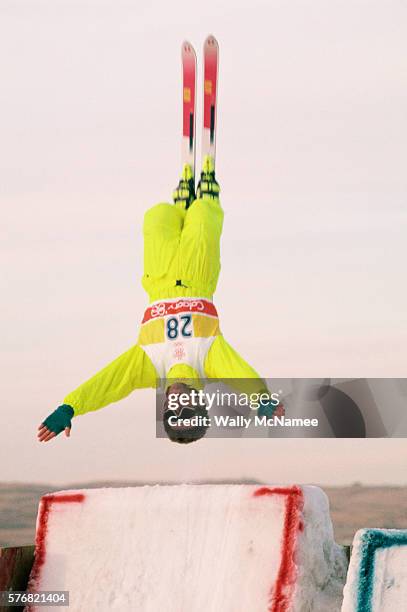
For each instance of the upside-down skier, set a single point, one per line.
(180, 336)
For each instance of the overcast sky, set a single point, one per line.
(312, 146)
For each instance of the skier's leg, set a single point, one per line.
(200, 245)
(132, 370)
(162, 228)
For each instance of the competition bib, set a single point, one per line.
(179, 331)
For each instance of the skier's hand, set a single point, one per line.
(271, 410)
(57, 421)
(280, 411)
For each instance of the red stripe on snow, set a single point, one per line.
(40, 548)
(282, 591)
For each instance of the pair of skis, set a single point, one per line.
(211, 54)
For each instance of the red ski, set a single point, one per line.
(188, 104)
(211, 58)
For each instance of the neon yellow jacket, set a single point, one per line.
(181, 259)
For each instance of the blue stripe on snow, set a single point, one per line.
(372, 540)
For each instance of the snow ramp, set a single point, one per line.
(189, 548)
(377, 577)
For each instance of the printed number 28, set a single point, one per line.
(174, 324)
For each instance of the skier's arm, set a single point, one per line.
(224, 363)
(132, 370)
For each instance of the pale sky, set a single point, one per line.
(312, 146)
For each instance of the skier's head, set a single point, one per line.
(180, 407)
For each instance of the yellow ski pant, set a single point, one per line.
(181, 258)
(182, 250)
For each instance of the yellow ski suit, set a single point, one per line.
(181, 261)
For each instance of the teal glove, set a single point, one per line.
(269, 409)
(58, 420)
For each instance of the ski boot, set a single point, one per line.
(207, 186)
(184, 194)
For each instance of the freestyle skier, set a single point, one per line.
(180, 336)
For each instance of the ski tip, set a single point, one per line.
(187, 49)
(211, 42)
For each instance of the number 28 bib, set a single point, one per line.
(179, 331)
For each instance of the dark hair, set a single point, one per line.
(184, 436)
